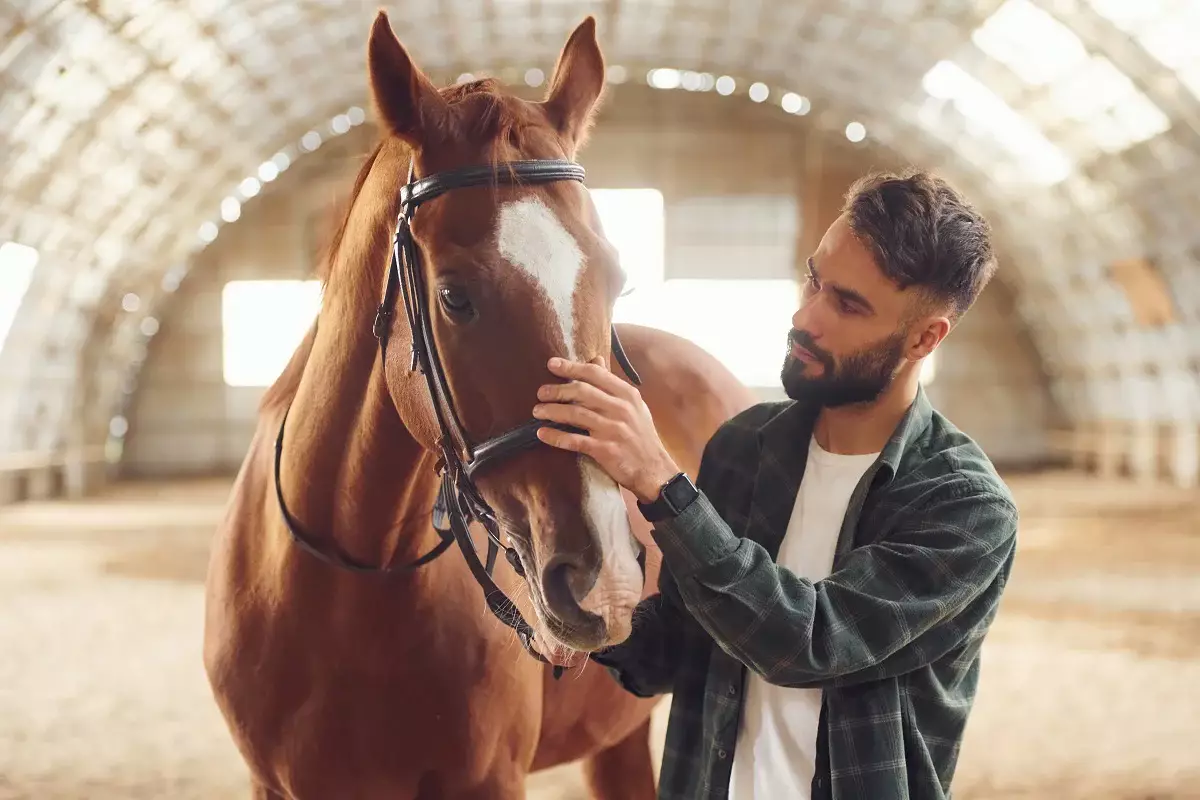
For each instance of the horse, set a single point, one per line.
(351, 651)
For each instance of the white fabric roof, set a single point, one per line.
(131, 130)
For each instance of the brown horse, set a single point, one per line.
(401, 684)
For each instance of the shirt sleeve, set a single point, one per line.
(889, 607)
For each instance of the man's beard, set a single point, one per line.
(861, 378)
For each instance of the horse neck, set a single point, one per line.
(352, 473)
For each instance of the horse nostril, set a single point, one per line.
(565, 582)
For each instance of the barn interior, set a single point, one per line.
(170, 170)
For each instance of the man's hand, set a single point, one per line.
(622, 440)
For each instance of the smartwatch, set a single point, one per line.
(674, 496)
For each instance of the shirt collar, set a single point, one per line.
(791, 429)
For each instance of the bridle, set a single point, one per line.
(459, 500)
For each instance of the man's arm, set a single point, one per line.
(888, 608)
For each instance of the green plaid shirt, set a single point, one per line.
(892, 636)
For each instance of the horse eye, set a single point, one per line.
(454, 299)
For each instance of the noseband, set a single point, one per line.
(459, 500)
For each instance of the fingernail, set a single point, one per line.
(556, 362)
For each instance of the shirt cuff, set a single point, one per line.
(694, 539)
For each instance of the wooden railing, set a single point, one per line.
(1168, 452)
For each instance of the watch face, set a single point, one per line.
(678, 492)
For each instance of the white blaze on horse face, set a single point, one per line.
(532, 239)
(618, 587)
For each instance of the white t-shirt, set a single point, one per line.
(775, 756)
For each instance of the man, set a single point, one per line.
(826, 588)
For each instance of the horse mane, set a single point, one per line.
(325, 263)
(283, 390)
(491, 115)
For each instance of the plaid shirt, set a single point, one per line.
(892, 636)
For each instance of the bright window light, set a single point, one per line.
(633, 221)
(992, 116)
(1088, 89)
(16, 272)
(1114, 112)
(742, 323)
(262, 324)
(1030, 42)
(1167, 29)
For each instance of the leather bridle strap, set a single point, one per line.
(510, 173)
(301, 537)
(497, 601)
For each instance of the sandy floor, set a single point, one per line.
(1091, 683)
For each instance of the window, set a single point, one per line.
(16, 271)
(262, 323)
(742, 322)
(722, 236)
(633, 223)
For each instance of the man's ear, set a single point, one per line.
(934, 330)
(407, 102)
(576, 87)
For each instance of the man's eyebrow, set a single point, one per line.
(841, 291)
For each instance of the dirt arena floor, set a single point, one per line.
(1090, 688)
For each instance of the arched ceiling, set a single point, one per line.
(132, 130)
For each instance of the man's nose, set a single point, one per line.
(803, 320)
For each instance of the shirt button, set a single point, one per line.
(732, 690)
(721, 754)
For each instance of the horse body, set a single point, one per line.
(342, 685)
(403, 685)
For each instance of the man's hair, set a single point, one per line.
(923, 233)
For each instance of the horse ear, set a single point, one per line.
(407, 102)
(577, 84)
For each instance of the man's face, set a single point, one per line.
(849, 336)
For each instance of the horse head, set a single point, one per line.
(510, 275)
